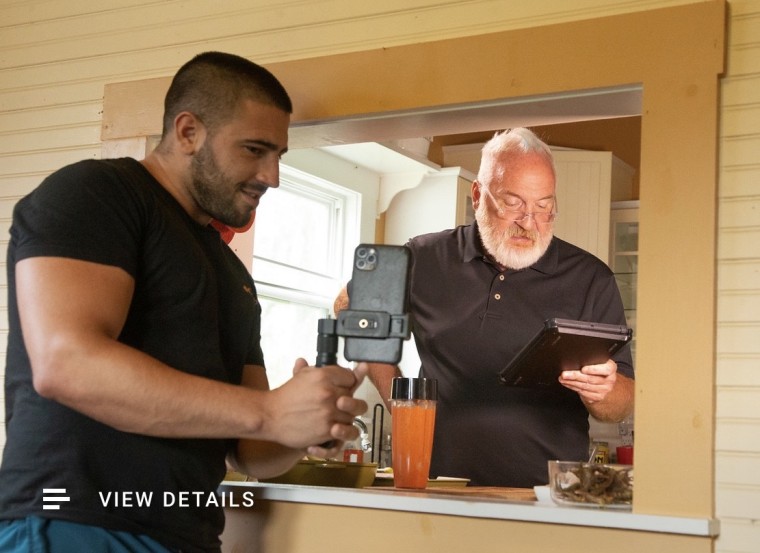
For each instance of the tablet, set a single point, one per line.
(563, 345)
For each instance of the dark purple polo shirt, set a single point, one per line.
(471, 318)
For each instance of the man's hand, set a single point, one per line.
(593, 382)
(315, 406)
(263, 459)
(607, 395)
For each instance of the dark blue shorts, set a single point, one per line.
(42, 535)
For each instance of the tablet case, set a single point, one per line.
(563, 345)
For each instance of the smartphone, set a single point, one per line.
(376, 323)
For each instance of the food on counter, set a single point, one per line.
(591, 483)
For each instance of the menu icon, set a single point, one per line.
(52, 497)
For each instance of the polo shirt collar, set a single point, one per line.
(472, 248)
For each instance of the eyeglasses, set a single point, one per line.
(517, 213)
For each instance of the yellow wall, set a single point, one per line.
(54, 67)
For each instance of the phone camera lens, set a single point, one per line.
(361, 252)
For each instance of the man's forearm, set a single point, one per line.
(381, 375)
(617, 405)
(263, 459)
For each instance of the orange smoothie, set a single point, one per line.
(412, 427)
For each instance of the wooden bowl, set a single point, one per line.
(335, 474)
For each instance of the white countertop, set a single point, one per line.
(477, 507)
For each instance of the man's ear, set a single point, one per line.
(475, 194)
(189, 133)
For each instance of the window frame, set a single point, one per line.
(280, 282)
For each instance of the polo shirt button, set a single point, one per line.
(501, 277)
(497, 296)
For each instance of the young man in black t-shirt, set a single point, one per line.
(134, 368)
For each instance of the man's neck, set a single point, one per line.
(171, 176)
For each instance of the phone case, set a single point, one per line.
(379, 286)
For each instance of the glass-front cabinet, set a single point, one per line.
(623, 260)
(624, 256)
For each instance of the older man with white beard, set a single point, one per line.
(478, 294)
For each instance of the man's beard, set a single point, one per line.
(495, 241)
(211, 187)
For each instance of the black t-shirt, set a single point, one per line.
(194, 308)
(471, 318)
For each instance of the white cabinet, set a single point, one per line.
(442, 200)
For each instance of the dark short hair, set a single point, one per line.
(212, 85)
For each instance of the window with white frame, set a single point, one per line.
(304, 237)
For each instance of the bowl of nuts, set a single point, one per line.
(582, 484)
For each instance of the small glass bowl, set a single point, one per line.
(581, 484)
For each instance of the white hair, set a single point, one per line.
(510, 142)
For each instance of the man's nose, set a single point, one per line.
(269, 172)
(527, 221)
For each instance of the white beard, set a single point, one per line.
(495, 241)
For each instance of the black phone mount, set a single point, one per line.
(380, 276)
(327, 343)
(375, 325)
(351, 323)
